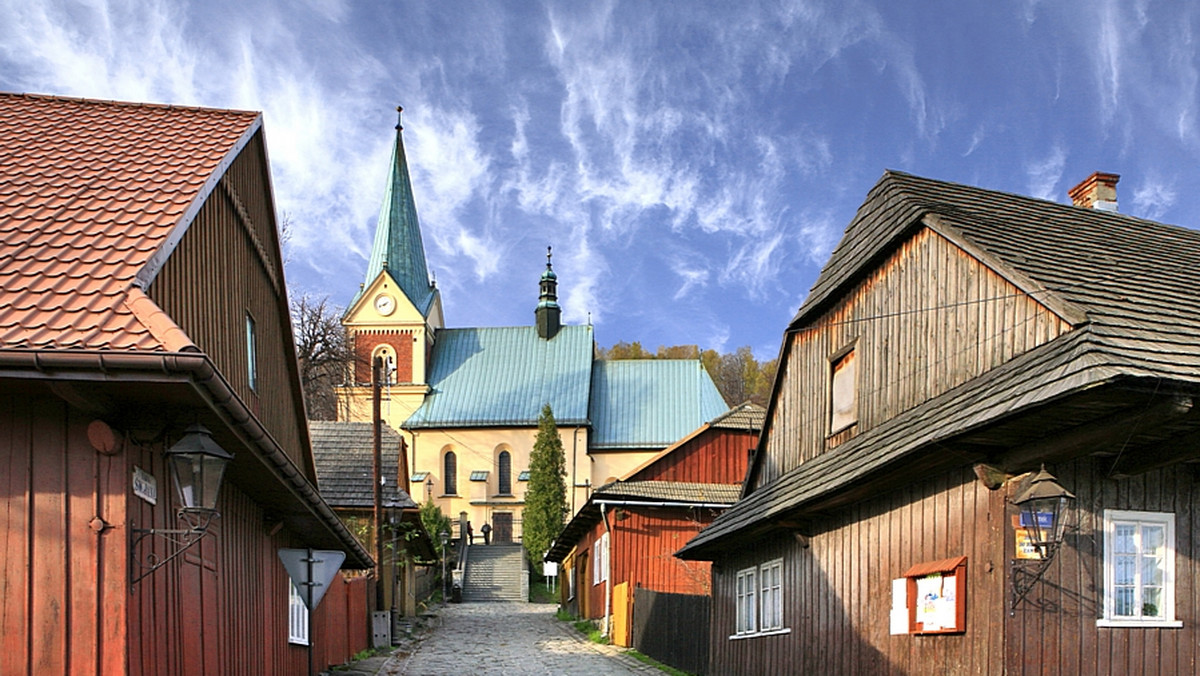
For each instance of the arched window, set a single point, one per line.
(504, 473)
(450, 473)
(385, 352)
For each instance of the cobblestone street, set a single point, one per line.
(509, 638)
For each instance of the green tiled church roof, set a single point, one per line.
(398, 243)
(650, 403)
(490, 377)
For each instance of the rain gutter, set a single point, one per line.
(199, 370)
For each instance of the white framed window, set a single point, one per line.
(600, 560)
(759, 601)
(1139, 569)
(252, 352)
(771, 600)
(747, 607)
(297, 616)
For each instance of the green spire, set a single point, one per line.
(398, 247)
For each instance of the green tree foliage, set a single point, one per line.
(435, 523)
(738, 375)
(546, 500)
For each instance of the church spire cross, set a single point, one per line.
(399, 118)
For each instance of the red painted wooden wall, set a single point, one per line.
(66, 604)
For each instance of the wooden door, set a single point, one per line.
(502, 523)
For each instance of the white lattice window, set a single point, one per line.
(1139, 569)
(600, 560)
(297, 616)
(771, 579)
(747, 606)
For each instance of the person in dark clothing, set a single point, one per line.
(487, 531)
(470, 534)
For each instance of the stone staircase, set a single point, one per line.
(495, 573)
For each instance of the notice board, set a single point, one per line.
(935, 597)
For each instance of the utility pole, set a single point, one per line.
(376, 388)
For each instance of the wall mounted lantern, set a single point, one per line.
(1043, 507)
(196, 464)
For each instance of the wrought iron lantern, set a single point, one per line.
(1043, 508)
(196, 464)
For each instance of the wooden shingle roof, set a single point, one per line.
(344, 454)
(1128, 286)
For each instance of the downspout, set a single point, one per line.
(608, 570)
(574, 466)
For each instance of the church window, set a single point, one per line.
(504, 473)
(450, 473)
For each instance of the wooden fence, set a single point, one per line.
(672, 628)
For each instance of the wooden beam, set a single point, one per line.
(1095, 436)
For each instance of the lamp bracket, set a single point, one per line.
(182, 539)
(1027, 573)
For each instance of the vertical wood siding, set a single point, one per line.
(1054, 631)
(222, 608)
(63, 589)
(927, 319)
(716, 456)
(225, 267)
(837, 592)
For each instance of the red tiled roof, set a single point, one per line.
(90, 191)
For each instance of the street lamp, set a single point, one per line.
(1043, 507)
(445, 588)
(196, 464)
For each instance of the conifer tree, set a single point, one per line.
(546, 501)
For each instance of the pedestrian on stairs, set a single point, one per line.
(470, 534)
(487, 531)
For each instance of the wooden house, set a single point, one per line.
(958, 339)
(626, 534)
(143, 293)
(345, 458)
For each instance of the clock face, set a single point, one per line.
(385, 304)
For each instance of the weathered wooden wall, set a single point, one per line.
(232, 590)
(837, 591)
(1054, 631)
(928, 318)
(225, 267)
(672, 628)
(63, 586)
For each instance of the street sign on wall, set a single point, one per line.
(311, 571)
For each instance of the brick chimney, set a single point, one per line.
(1098, 191)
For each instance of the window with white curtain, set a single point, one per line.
(1139, 569)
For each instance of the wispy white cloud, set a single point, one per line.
(1045, 174)
(1152, 198)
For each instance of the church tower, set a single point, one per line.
(398, 310)
(548, 315)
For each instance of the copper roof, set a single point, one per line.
(93, 196)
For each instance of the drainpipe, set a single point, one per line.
(607, 571)
(574, 466)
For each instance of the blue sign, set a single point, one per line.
(1045, 520)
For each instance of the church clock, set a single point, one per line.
(385, 304)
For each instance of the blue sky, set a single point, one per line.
(693, 164)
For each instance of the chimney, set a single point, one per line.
(1098, 191)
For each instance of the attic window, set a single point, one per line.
(252, 352)
(843, 391)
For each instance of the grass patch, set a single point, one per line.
(588, 628)
(539, 592)
(667, 669)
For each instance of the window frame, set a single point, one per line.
(754, 614)
(843, 370)
(1113, 518)
(504, 473)
(251, 352)
(600, 560)
(449, 472)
